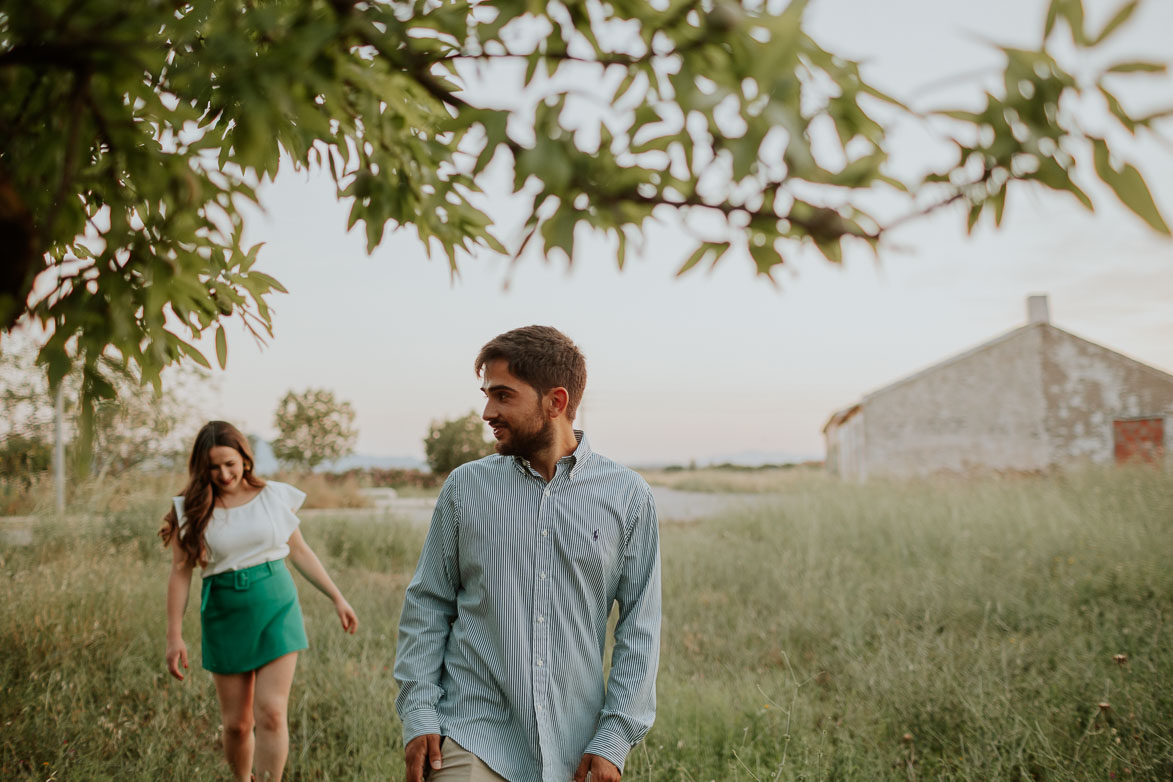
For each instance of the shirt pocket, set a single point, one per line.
(593, 548)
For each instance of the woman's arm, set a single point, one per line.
(308, 564)
(178, 587)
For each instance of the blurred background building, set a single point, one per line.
(1035, 398)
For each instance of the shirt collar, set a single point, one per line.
(580, 456)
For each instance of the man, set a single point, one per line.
(500, 657)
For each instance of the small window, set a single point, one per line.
(1139, 440)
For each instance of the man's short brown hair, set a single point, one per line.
(542, 356)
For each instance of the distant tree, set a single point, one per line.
(130, 141)
(313, 427)
(22, 458)
(450, 444)
(133, 428)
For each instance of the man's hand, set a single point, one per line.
(599, 768)
(421, 749)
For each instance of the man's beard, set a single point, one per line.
(526, 444)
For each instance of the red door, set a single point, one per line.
(1140, 440)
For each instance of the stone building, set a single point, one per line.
(1035, 398)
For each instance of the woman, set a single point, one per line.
(239, 530)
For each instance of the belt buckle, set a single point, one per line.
(240, 580)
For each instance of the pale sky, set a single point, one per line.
(720, 364)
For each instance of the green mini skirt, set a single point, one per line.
(250, 617)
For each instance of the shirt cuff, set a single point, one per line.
(610, 745)
(420, 722)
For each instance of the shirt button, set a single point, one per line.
(538, 707)
(545, 532)
(541, 619)
(542, 576)
(546, 493)
(539, 663)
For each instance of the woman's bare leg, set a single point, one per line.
(235, 691)
(271, 709)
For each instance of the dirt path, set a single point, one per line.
(671, 505)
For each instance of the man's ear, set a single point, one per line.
(557, 400)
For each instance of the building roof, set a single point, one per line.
(841, 416)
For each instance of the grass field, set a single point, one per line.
(928, 631)
(719, 480)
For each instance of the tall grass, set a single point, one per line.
(739, 480)
(923, 631)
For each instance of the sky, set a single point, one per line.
(720, 365)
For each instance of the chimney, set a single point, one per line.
(1037, 310)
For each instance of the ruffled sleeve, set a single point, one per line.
(178, 503)
(286, 501)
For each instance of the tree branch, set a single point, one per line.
(925, 211)
(70, 162)
(75, 56)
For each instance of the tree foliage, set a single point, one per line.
(313, 427)
(450, 444)
(21, 457)
(130, 139)
(135, 428)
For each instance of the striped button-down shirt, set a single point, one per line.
(504, 624)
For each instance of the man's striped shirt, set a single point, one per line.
(503, 627)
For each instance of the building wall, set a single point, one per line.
(1087, 387)
(845, 450)
(1169, 442)
(984, 410)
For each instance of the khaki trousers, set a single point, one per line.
(460, 765)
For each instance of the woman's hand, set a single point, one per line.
(346, 614)
(176, 654)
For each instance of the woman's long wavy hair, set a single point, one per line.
(199, 496)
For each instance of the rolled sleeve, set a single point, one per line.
(429, 608)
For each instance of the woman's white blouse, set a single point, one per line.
(247, 535)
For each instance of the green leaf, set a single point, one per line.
(963, 116)
(269, 282)
(654, 143)
(191, 352)
(221, 347)
(999, 200)
(1148, 119)
(1129, 186)
(1072, 11)
(531, 67)
(1117, 110)
(832, 250)
(1052, 17)
(975, 212)
(705, 252)
(1054, 176)
(1137, 66)
(1119, 18)
(624, 85)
